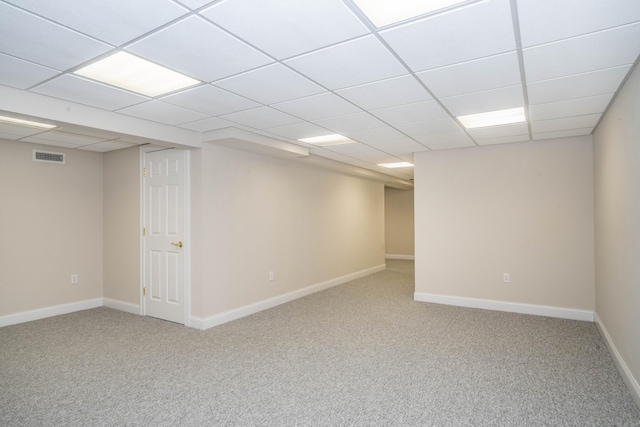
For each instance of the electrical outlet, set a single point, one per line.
(272, 275)
(506, 278)
(74, 279)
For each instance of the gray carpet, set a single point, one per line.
(361, 354)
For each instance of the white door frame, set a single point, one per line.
(187, 230)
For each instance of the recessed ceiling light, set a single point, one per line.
(385, 12)
(136, 74)
(28, 123)
(326, 140)
(493, 118)
(396, 165)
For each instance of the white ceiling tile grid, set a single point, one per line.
(294, 69)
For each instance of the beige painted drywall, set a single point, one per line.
(617, 222)
(525, 209)
(122, 225)
(51, 219)
(252, 214)
(398, 222)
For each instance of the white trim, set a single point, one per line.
(512, 307)
(407, 257)
(127, 307)
(228, 316)
(43, 313)
(625, 372)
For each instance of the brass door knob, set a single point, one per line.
(179, 244)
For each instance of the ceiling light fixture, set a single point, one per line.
(385, 12)
(28, 123)
(327, 140)
(138, 75)
(493, 118)
(396, 165)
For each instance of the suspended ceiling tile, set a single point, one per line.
(205, 125)
(571, 107)
(113, 21)
(381, 134)
(64, 137)
(474, 31)
(386, 93)
(44, 42)
(162, 112)
(22, 74)
(489, 100)
(420, 129)
(411, 113)
(210, 100)
(271, 84)
(349, 149)
(577, 86)
(547, 21)
(9, 131)
(35, 140)
(84, 91)
(103, 147)
(567, 123)
(348, 64)
(596, 51)
(195, 4)
(287, 29)
(398, 146)
(458, 137)
(500, 131)
(503, 140)
(473, 76)
(350, 122)
(377, 156)
(299, 130)
(562, 133)
(450, 145)
(317, 107)
(261, 118)
(199, 49)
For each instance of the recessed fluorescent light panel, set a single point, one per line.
(327, 140)
(493, 118)
(27, 123)
(136, 74)
(396, 165)
(385, 12)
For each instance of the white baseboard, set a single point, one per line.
(228, 316)
(28, 316)
(625, 372)
(539, 310)
(127, 307)
(394, 256)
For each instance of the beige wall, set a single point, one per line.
(398, 222)
(51, 219)
(252, 214)
(524, 209)
(617, 223)
(122, 225)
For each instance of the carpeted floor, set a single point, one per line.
(361, 354)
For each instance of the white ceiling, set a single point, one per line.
(303, 68)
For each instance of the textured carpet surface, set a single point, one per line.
(360, 354)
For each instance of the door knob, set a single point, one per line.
(179, 244)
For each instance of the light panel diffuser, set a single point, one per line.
(138, 75)
(327, 140)
(385, 12)
(493, 118)
(396, 165)
(28, 123)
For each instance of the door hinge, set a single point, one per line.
(144, 171)
(144, 231)
(144, 292)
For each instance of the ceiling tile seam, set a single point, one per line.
(374, 31)
(615, 95)
(567, 117)
(573, 99)
(523, 76)
(579, 74)
(577, 36)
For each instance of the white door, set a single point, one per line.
(164, 235)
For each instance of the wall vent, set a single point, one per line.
(48, 156)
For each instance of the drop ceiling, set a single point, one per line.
(287, 70)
